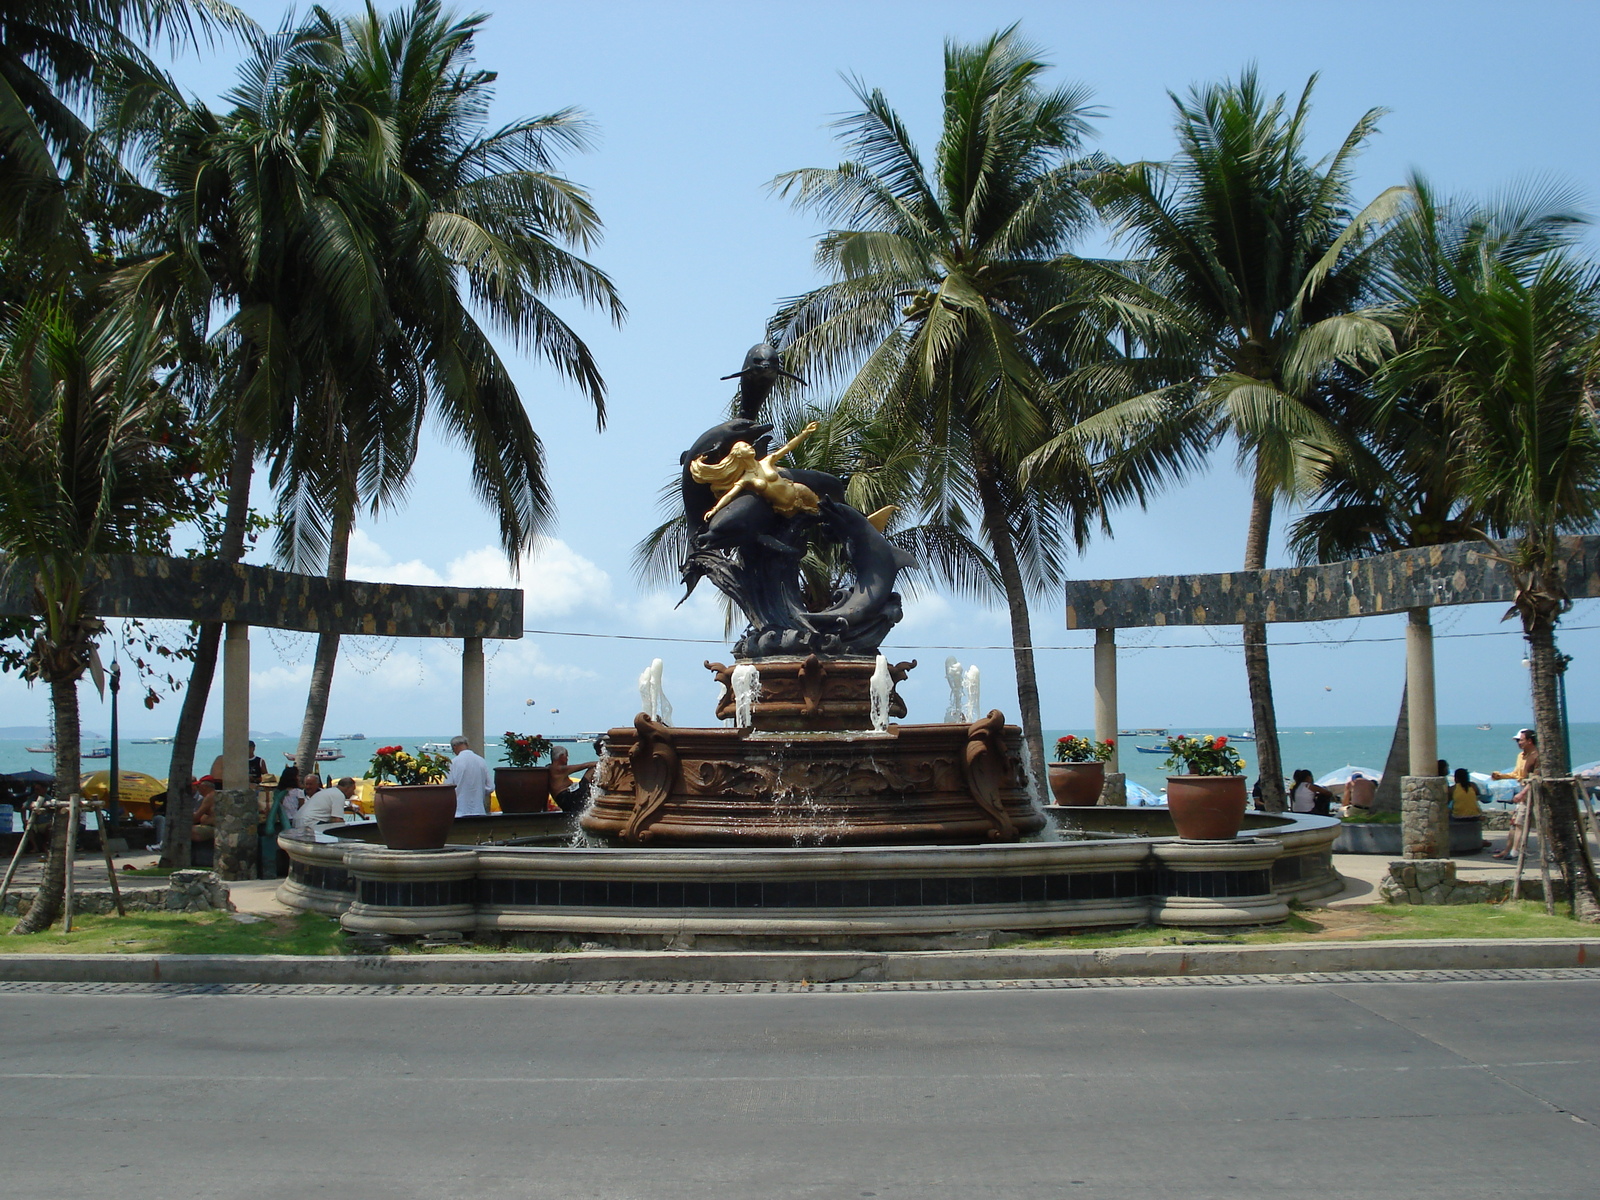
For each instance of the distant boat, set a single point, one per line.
(155, 741)
(350, 737)
(1486, 727)
(323, 754)
(1244, 737)
(47, 748)
(434, 748)
(97, 752)
(1141, 733)
(1151, 749)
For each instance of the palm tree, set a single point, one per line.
(82, 475)
(458, 220)
(1247, 267)
(1402, 483)
(951, 308)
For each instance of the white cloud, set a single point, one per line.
(370, 561)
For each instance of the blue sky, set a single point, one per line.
(697, 107)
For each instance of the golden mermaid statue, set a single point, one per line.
(741, 473)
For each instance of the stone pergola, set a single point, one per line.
(1407, 581)
(239, 596)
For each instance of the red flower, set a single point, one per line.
(1219, 742)
(1111, 741)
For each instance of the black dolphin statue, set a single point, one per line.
(760, 374)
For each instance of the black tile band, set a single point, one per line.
(323, 879)
(417, 893)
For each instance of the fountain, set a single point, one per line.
(817, 814)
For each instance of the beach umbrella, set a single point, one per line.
(1140, 796)
(31, 776)
(135, 790)
(1588, 770)
(1342, 776)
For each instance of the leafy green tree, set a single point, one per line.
(88, 467)
(950, 314)
(1246, 274)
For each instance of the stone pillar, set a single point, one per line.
(1115, 792)
(1105, 693)
(1420, 712)
(238, 841)
(236, 706)
(472, 692)
(1424, 817)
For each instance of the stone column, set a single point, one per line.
(236, 706)
(472, 692)
(1105, 693)
(238, 841)
(1424, 817)
(1114, 794)
(1420, 713)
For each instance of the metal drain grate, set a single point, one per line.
(654, 988)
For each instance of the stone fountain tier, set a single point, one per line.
(906, 785)
(811, 693)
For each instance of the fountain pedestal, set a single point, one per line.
(810, 693)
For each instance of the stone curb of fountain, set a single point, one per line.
(830, 966)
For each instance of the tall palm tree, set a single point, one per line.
(460, 220)
(83, 474)
(950, 307)
(1247, 268)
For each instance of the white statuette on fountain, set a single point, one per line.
(653, 701)
(955, 712)
(969, 689)
(880, 687)
(746, 684)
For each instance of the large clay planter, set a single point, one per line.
(1207, 808)
(522, 789)
(1077, 784)
(417, 817)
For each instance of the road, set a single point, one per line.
(1439, 1089)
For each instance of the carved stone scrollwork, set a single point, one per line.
(988, 770)
(656, 772)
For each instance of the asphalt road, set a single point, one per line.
(1326, 1090)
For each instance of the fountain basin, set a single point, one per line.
(833, 894)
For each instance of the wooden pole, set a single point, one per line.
(111, 867)
(27, 832)
(1522, 850)
(72, 853)
(1541, 825)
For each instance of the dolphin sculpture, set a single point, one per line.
(760, 374)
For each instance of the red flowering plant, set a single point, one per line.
(1072, 749)
(407, 770)
(1205, 755)
(524, 749)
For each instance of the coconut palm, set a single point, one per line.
(83, 474)
(1247, 269)
(950, 306)
(460, 221)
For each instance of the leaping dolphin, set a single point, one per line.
(759, 375)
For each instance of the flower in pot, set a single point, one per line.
(521, 785)
(1078, 775)
(1208, 800)
(413, 805)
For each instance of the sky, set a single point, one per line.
(697, 107)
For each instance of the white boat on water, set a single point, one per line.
(155, 741)
(324, 754)
(434, 748)
(47, 748)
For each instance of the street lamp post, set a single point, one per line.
(113, 813)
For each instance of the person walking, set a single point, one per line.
(470, 775)
(1527, 765)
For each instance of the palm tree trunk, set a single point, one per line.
(180, 797)
(1257, 670)
(1005, 557)
(1397, 765)
(1541, 635)
(52, 887)
(326, 657)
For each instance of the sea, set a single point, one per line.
(1320, 749)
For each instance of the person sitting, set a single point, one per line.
(1527, 765)
(257, 767)
(204, 822)
(570, 796)
(1308, 797)
(1464, 797)
(290, 794)
(327, 807)
(1359, 794)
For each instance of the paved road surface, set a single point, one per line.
(1461, 1089)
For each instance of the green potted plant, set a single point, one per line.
(1078, 775)
(413, 805)
(522, 786)
(1208, 800)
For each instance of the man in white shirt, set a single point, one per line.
(470, 774)
(327, 806)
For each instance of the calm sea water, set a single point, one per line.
(1319, 749)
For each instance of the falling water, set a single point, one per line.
(746, 683)
(955, 712)
(969, 689)
(652, 699)
(881, 687)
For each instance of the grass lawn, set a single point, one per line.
(184, 933)
(1376, 922)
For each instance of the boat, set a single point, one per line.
(1152, 750)
(434, 748)
(324, 754)
(1141, 733)
(350, 737)
(1486, 728)
(97, 752)
(47, 748)
(1243, 737)
(155, 741)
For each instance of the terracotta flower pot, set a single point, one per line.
(1077, 784)
(522, 789)
(1207, 808)
(417, 817)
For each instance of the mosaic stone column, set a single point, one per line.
(238, 841)
(1424, 817)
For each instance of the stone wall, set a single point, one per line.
(185, 891)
